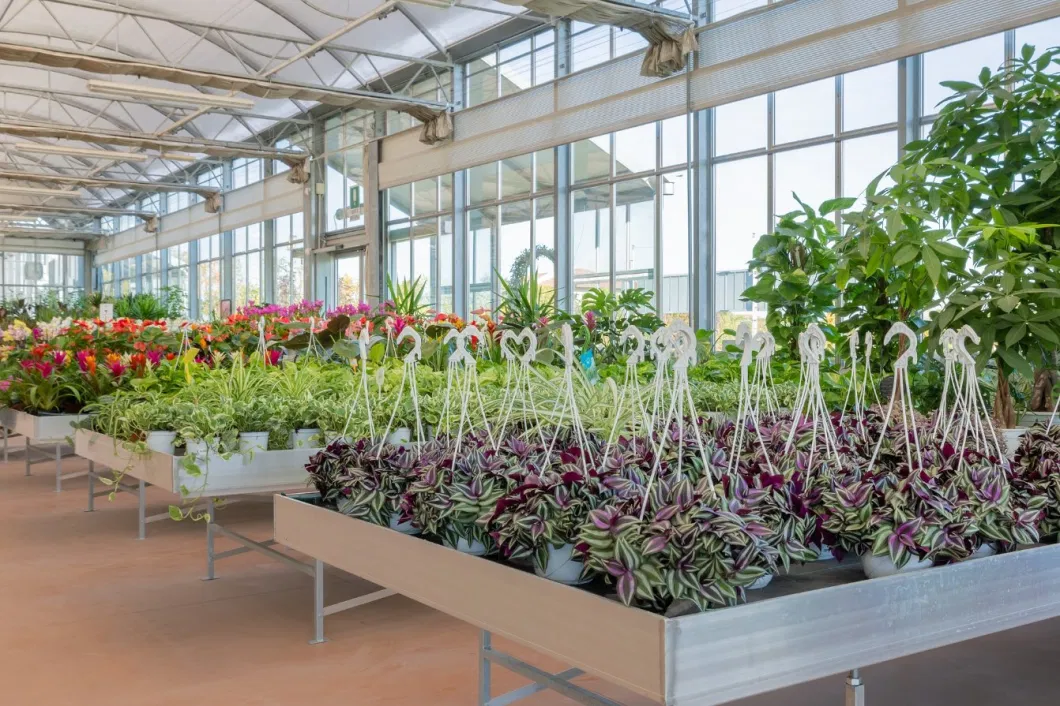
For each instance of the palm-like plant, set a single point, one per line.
(525, 304)
(408, 296)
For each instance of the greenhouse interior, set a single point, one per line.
(606, 352)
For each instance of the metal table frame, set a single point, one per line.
(46, 454)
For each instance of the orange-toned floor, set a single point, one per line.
(90, 615)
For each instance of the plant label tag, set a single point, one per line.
(106, 312)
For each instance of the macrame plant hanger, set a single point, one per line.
(975, 420)
(854, 388)
(519, 374)
(661, 351)
(682, 343)
(463, 372)
(408, 376)
(746, 409)
(567, 403)
(638, 414)
(810, 404)
(363, 345)
(902, 393)
(762, 386)
(952, 386)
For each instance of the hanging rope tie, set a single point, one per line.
(363, 344)
(975, 421)
(762, 386)
(462, 371)
(903, 394)
(519, 386)
(810, 404)
(660, 350)
(854, 388)
(408, 376)
(869, 382)
(630, 386)
(746, 408)
(567, 404)
(682, 342)
(945, 417)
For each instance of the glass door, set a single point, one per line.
(349, 278)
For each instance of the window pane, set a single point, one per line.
(591, 238)
(482, 183)
(805, 111)
(514, 245)
(673, 298)
(591, 158)
(545, 174)
(808, 172)
(426, 196)
(422, 267)
(627, 41)
(445, 264)
(544, 58)
(445, 192)
(739, 219)
(545, 243)
(740, 126)
(516, 71)
(589, 47)
(634, 218)
(870, 97)
(336, 192)
(348, 275)
(282, 284)
(961, 62)
(517, 175)
(399, 202)
(675, 141)
(482, 80)
(635, 149)
(728, 8)
(481, 226)
(863, 159)
(401, 267)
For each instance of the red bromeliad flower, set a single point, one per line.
(116, 367)
(60, 358)
(274, 356)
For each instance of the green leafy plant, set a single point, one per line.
(795, 271)
(408, 296)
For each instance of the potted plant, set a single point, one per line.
(479, 479)
(153, 420)
(255, 418)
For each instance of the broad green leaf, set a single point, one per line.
(832, 205)
(1008, 281)
(932, 264)
(906, 254)
(1015, 335)
(1008, 303)
(949, 250)
(1048, 171)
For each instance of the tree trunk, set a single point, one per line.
(1004, 412)
(1042, 393)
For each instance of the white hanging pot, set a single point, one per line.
(879, 566)
(1028, 419)
(561, 566)
(761, 582)
(824, 553)
(402, 527)
(1010, 438)
(305, 439)
(163, 442)
(401, 435)
(474, 547)
(253, 441)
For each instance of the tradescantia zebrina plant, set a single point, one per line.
(1036, 475)
(689, 548)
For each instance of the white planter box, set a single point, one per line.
(262, 472)
(53, 428)
(819, 621)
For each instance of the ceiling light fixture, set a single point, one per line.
(36, 191)
(121, 90)
(113, 155)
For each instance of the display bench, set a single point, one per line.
(823, 620)
(45, 436)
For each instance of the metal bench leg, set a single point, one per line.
(855, 695)
(143, 510)
(91, 487)
(210, 518)
(318, 603)
(485, 689)
(58, 468)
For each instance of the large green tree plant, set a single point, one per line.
(988, 175)
(795, 271)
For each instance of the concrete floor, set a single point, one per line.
(90, 615)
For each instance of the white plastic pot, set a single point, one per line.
(199, 448)
(401, 435)
(824, 553)
(253, 441)
(761, 582)
(305, 439)
(164, 442)
(879, 566)
(1029, 419)
(474, 547)
(1010, 439)
(402, 527)
(984, 550)
(561, 566)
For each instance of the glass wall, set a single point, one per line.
(512, 68)
(344, 138)
(247, 171)
(248, 266)
(419, 231)
(125, 277)
(209, 272)
(178, 270)
(288, 259)
(35, 276)
(151, 272)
